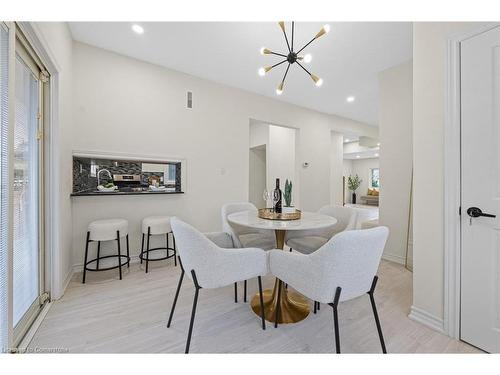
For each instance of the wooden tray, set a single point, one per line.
(269, 214)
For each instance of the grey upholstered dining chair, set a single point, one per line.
(308, 241)
(245, 237)
(342, 269)
(211, 266)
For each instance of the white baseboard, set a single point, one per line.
(394, 258)
(427, 319)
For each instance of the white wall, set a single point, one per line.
(429, 99)
(281, 159)
(128, 106)
(57, 39)
(395, 133)
(336, 168)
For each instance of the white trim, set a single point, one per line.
(394, 258)
(427, 319)
(452, 184)
(23, 345)
(41, 47)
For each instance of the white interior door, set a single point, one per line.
(480, 256)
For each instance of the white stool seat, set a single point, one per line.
(157, 225)
(105, 230)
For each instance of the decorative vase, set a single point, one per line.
(353, 198)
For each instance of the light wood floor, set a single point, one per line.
(107, 315)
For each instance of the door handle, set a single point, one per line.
(477, 212)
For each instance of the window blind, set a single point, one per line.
(4, 174)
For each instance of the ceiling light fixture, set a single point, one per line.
(138, 29)
(350, 99)
(376, 154)
(292, 56)
(357, 156)
(346, 140)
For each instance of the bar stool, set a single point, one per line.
(106, 230)
(152, 226)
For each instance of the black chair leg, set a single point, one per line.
(176, 296)
(291, 249)
(245, 291)
(86, 255)
(375, 314)
(261, 297)
(128, 254)
(278, 305)
(193, 312)
(314, 307)
(235, 292)
(147, 250)
(119, 253)
(334, 306)
(319, 305)
(142, 247)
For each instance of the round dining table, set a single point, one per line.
(293, 306)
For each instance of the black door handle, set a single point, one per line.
(476, 212)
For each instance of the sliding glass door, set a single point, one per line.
(28, 239)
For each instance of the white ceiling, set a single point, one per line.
(348, 58)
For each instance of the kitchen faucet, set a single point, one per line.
(99, 174)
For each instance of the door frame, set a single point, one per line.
(452, 181)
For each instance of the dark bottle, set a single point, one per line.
(277, 197)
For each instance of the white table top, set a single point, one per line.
(309, 220)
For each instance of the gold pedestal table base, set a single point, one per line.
(293, 306)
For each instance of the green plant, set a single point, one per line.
(288, 193)
(353, 182)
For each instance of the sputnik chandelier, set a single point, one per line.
(292, 57)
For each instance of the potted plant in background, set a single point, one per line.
(353, 184)
(287, 195)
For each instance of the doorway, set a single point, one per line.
(257, 176)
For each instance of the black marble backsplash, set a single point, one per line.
(85, 172)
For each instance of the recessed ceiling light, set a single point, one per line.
(357, 156)
(350, 99)
(378, 144)
(376, 155)
(346, 140)
(138, 29)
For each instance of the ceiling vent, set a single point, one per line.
(189, 99)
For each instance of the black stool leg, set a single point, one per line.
(166, 234)
(235, 292)
(193, 312)
(175, 250)
(319, 305)
(176, 296)
(128, 254)
(278, 305)
(314, 307)
(245, 291)
(142, 247)
(375, 314)
(147, 250)
(261, 297)
(98, 254)
(119, 253)
(334, 306)
(86, 255)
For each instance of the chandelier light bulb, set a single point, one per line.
(138, 29)
(282, 25)
(265, 51)
(326, 28)
(262, 72)
(319, 82)
(279, 90)
(307, 58)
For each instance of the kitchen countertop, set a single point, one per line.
(118, 192)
